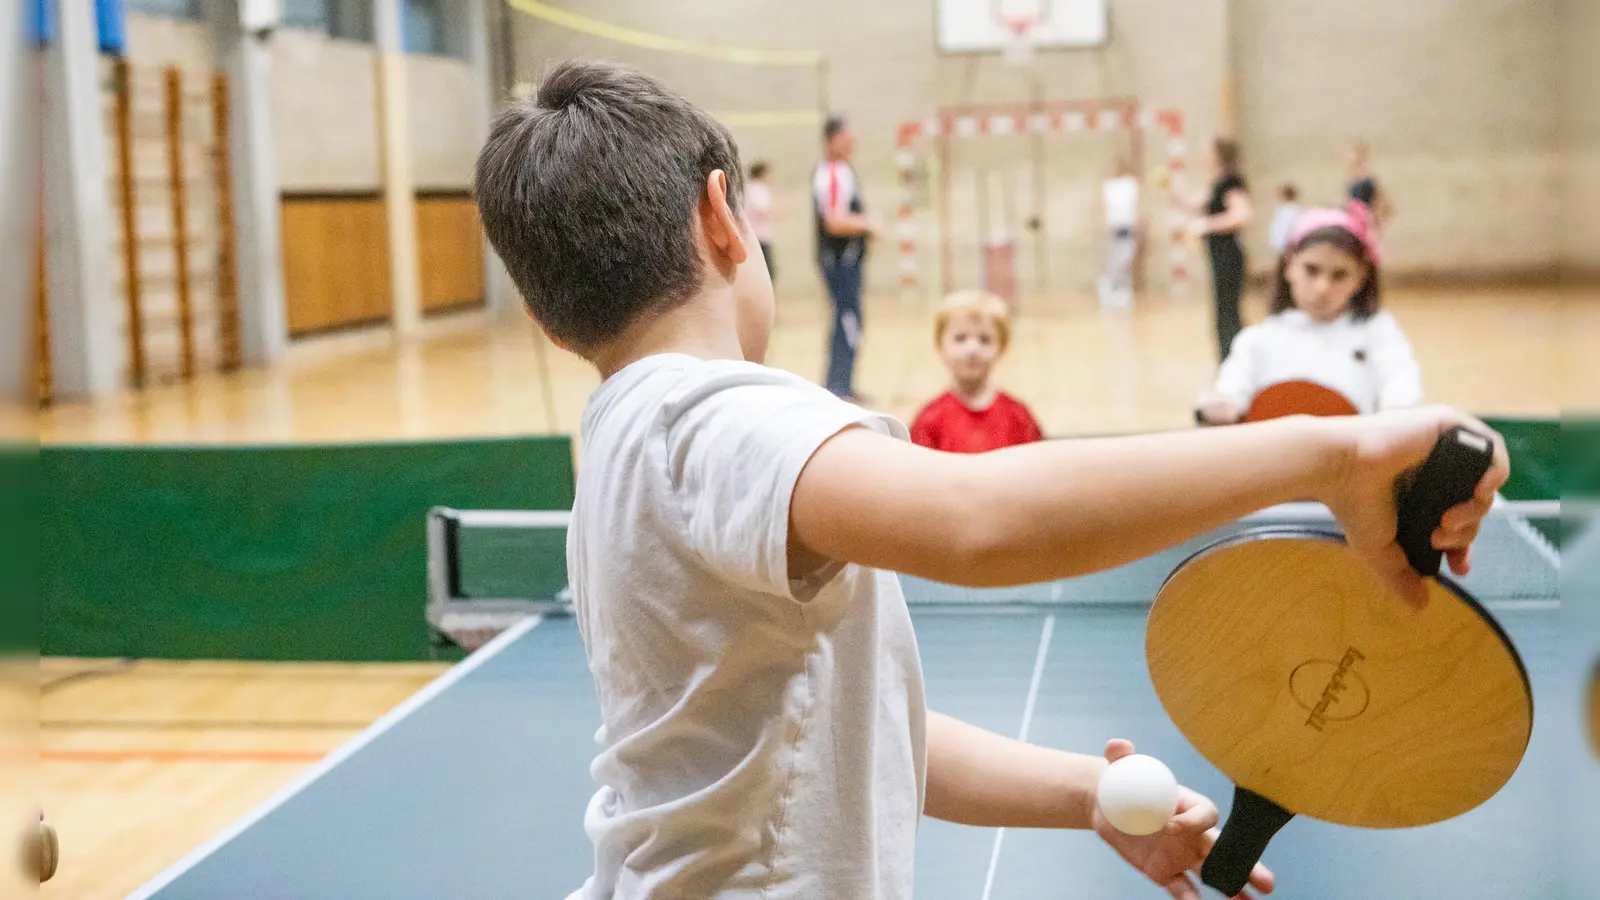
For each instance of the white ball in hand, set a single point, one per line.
(1138, 794)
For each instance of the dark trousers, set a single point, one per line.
(1227, 286)
(843, 278)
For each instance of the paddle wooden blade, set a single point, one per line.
(1288, 666)
(1298, 398)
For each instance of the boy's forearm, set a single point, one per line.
(1065, 508)
(976, 777)
(1048, 510)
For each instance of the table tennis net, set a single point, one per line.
(489, 568)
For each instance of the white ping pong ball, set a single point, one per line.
(1138, 794)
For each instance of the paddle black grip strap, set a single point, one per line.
(1449, 476)
(1250, 827)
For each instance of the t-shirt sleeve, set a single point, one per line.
(1236, 378)
(1399, 376)
(735, 449)
(831, 189)
(925, 428)
(1027, 426)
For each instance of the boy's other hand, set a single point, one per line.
(1168, 857)
(1377, 450)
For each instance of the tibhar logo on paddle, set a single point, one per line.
(1330, 691)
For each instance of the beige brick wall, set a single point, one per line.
(1457, 97)
(885, 69)
(444, 129)
(324, 105)
(325, 113)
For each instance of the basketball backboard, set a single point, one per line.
(980, 26)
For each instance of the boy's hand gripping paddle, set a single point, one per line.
(1288, 665)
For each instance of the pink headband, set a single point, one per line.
(1355, 218)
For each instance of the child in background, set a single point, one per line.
(971, 331)
(1283, 219)
(758, 206)
(1119, 207)
(1326, 325)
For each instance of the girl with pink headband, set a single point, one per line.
(1326, 324)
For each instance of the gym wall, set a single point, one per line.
(1458, 99)
(1464, 132)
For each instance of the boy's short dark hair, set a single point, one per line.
(588, 193)
(759, 169)
(832, 126)
(1289, 193)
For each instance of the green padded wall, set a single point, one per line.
(1535, 449)
(291, 552)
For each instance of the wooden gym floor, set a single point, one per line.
(143, 761)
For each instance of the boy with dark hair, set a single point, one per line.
(736, 529)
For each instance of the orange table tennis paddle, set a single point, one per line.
(1298, 398)
(1285, 663)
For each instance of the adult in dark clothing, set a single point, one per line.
(1224, 212)
(1364, 185)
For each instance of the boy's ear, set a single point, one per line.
(723, 228)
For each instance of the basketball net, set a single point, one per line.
(1019, 44)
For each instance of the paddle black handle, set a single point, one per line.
(1449, 476)
(1250, 827)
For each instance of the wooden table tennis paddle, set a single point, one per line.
(1288, 665)
(1298, 398)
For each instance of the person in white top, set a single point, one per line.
(1326, 325)
(758, 206)
(764, 731)
(1119, 202)
(1284, 218)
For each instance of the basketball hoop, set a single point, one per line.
(1019, 41)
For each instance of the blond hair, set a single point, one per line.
(980, 305)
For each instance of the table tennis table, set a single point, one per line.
(475, 787)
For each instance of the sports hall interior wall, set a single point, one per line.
(326, 134)
(1468, 149)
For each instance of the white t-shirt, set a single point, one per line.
(762, 737)
(1369, 362)
(1283, 220)
(833, 187)
(1121, 198)
(758, 206)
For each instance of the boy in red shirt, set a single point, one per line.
(971, 332)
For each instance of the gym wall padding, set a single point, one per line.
(19, 554)
(1534, 446)
(278, 552)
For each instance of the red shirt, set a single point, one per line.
(950, 425)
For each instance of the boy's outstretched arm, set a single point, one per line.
(1052, 510)
(976, 777)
